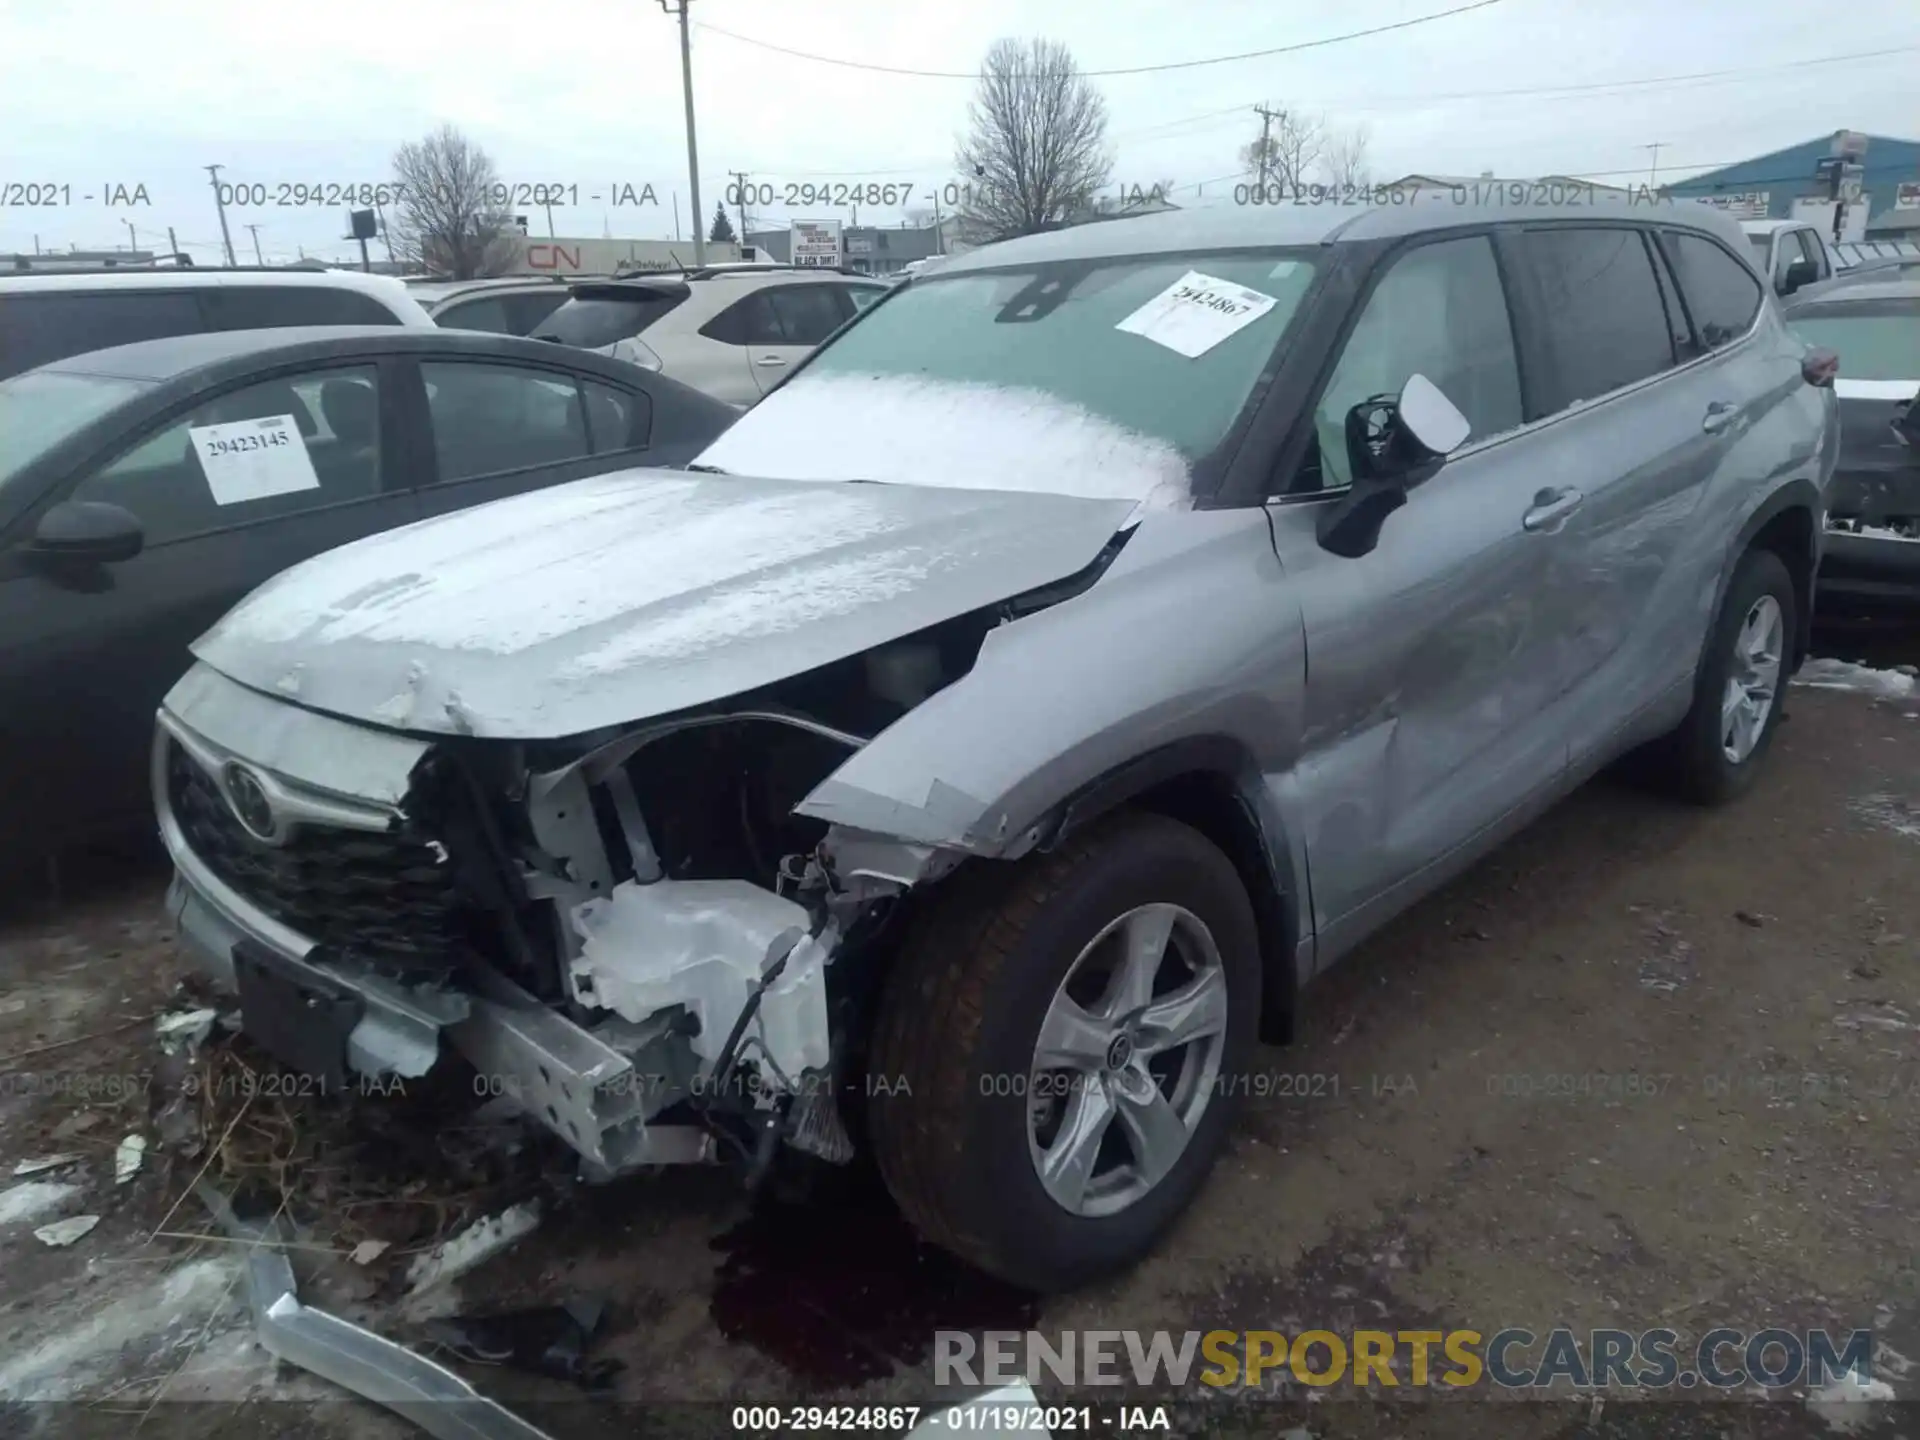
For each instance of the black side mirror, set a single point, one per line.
(87, 530)
(1393, 444)
(1799, 272)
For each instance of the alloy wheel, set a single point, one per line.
(1127, 1059)
(1753, 680)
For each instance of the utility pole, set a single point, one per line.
(173, 245)
(550, 219)
(1267, 117)
(1653, 168)
(693, 151)
(225, 238)
(133, 240)
(258, 259)
(740, 195)
(939, 227)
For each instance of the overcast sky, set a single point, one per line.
(586, 94)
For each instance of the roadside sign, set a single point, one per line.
(1747, 204)
(1906, 195)
(815, 242)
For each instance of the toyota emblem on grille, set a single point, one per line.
(247, 798)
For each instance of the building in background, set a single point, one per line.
(1797, 183)
(868, 249)
(531, 256)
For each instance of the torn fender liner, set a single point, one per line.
(704, 945)
(644, 593)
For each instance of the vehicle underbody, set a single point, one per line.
(629, 934)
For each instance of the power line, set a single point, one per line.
(1122, 70)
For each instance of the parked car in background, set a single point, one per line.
(1873, 514)
(48, 316)
(1791, 254)
(730, 330)
(512, 306)
(945, 746)
(144, 489)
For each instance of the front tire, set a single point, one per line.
(1053, 1064)
(1716, 751)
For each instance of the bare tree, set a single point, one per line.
(451, 217)
(1290, 144)
(1035, 153)
(1345, 163)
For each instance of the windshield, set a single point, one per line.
(1111, 378)
(42, 407)
(596, 323)
(1872, 345)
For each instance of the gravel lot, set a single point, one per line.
(1419, 1160)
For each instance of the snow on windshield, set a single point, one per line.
(914, 431)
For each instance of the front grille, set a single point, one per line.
(387, 899)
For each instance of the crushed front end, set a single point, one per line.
(630, 936)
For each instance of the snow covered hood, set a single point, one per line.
(636, 594)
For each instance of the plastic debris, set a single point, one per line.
(550, 1340)
(368, 1251)
(65, 1232)
(184, 1030)
(44, 1163)
(127, 1158)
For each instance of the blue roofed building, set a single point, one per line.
(1767, 185)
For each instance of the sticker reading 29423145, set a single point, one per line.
(1196, 313)
(253, 459)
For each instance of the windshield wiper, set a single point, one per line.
(708, 469)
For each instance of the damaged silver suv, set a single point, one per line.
(979, 752)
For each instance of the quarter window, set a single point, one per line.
(1439, 312)
(490, 419)
(1603, 310)
(1723, 297)
(164, 480)
(616, 419)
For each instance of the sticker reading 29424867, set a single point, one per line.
(1196, 313)
(253, 459)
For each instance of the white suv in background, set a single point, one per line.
(730, 330)
(51, 315)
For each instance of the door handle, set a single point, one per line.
(768, 360)
(1551, 506)
(1720, 414)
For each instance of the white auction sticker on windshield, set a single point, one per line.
(1196, 313)
(253, 459)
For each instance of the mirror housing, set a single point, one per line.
(1799, 272)
(87, 530)
(1393, 444)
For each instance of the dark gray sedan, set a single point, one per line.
(146, 488)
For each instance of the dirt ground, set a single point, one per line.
(1436, 1152)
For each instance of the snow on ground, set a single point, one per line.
(1826, 674)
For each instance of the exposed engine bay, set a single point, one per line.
(629, 934)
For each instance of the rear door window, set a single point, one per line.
(39, 329)
(529, 309)
(1603, 310)
(491, 419)
(164, 479)
(750, 320)
(1723, 297)
(267, 307)
(807, 314)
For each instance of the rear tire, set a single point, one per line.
(1714, 754)
(960, 1097)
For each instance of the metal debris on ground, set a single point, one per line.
(65, 1232)
(476, 1244)
(550, 1340)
